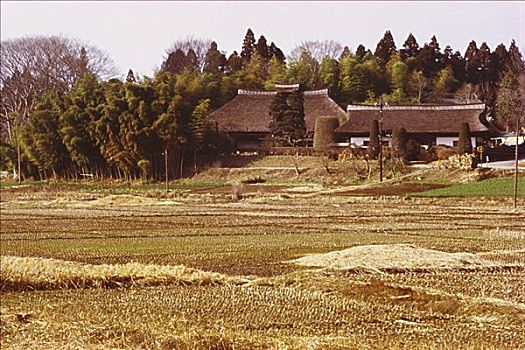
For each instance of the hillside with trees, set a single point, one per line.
(64, 114)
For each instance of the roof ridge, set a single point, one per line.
(255, 92)
(271, 93)
(417, 107)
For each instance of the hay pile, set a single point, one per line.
(392, 258)
(27, 273)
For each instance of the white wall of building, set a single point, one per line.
(360, 141)
(449, 141)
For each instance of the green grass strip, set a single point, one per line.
(489, 188)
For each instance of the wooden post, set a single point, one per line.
(166, 169)
(19, 162)
(381, 139)
(381, 149)
(516, 163)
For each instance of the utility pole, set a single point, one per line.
(516, 159)
(19, 162)
(166, 169)
(381, 138)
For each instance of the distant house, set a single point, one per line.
(427, 124)
(246, 118)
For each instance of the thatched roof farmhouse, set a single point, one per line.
(246, 118)
(429, 124)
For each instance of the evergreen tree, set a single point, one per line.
(277, 53)
(324, 132)
(277, 73)
(457, 63)
(277, 112)
(398, 75)
(175, 63)
(346, 53)
(410, 48)
(430, 60)
(500, 57)
(262, 48)
(360, 51)
(445, 81)
(295, 115)
(373, 144)
(8, 156)
(83, 107)
(329, 76)
(229, 86)
(375, 80)
(472, 64)
(385, 48)
(197, 121)
(464, 142)
(138, 136)
(83, 62)
(191, 61)
(107, 128)
(130, 78)
(353, 81)
(254, 73)
(214, 61)
(166, 107)
(398, 80)
(515, 60)
(248, 47)
(399, 142)
(234, 63)
(197, 128)
(287, 112)
(211, 85)
(40, 137)
(487, 73)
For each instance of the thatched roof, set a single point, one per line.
(249, 111)
(435, 119)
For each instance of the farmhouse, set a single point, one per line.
(246, 118)
(427, 124)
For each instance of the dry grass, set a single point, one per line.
(162, 305)
(27, 273)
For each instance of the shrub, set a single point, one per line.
(413, 150)
(399, 142)
(324, 133)
(237, 192)
(351, 154)
(444, 152)
(145, 168)
(427, 155)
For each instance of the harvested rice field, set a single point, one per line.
(285, 267)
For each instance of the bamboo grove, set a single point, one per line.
(105, 127)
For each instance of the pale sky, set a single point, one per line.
(136, 34)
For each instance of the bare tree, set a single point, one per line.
(31, 65)
(467, 93)
(199, 46)
(318, 49)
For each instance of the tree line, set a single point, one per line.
(64, 114)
